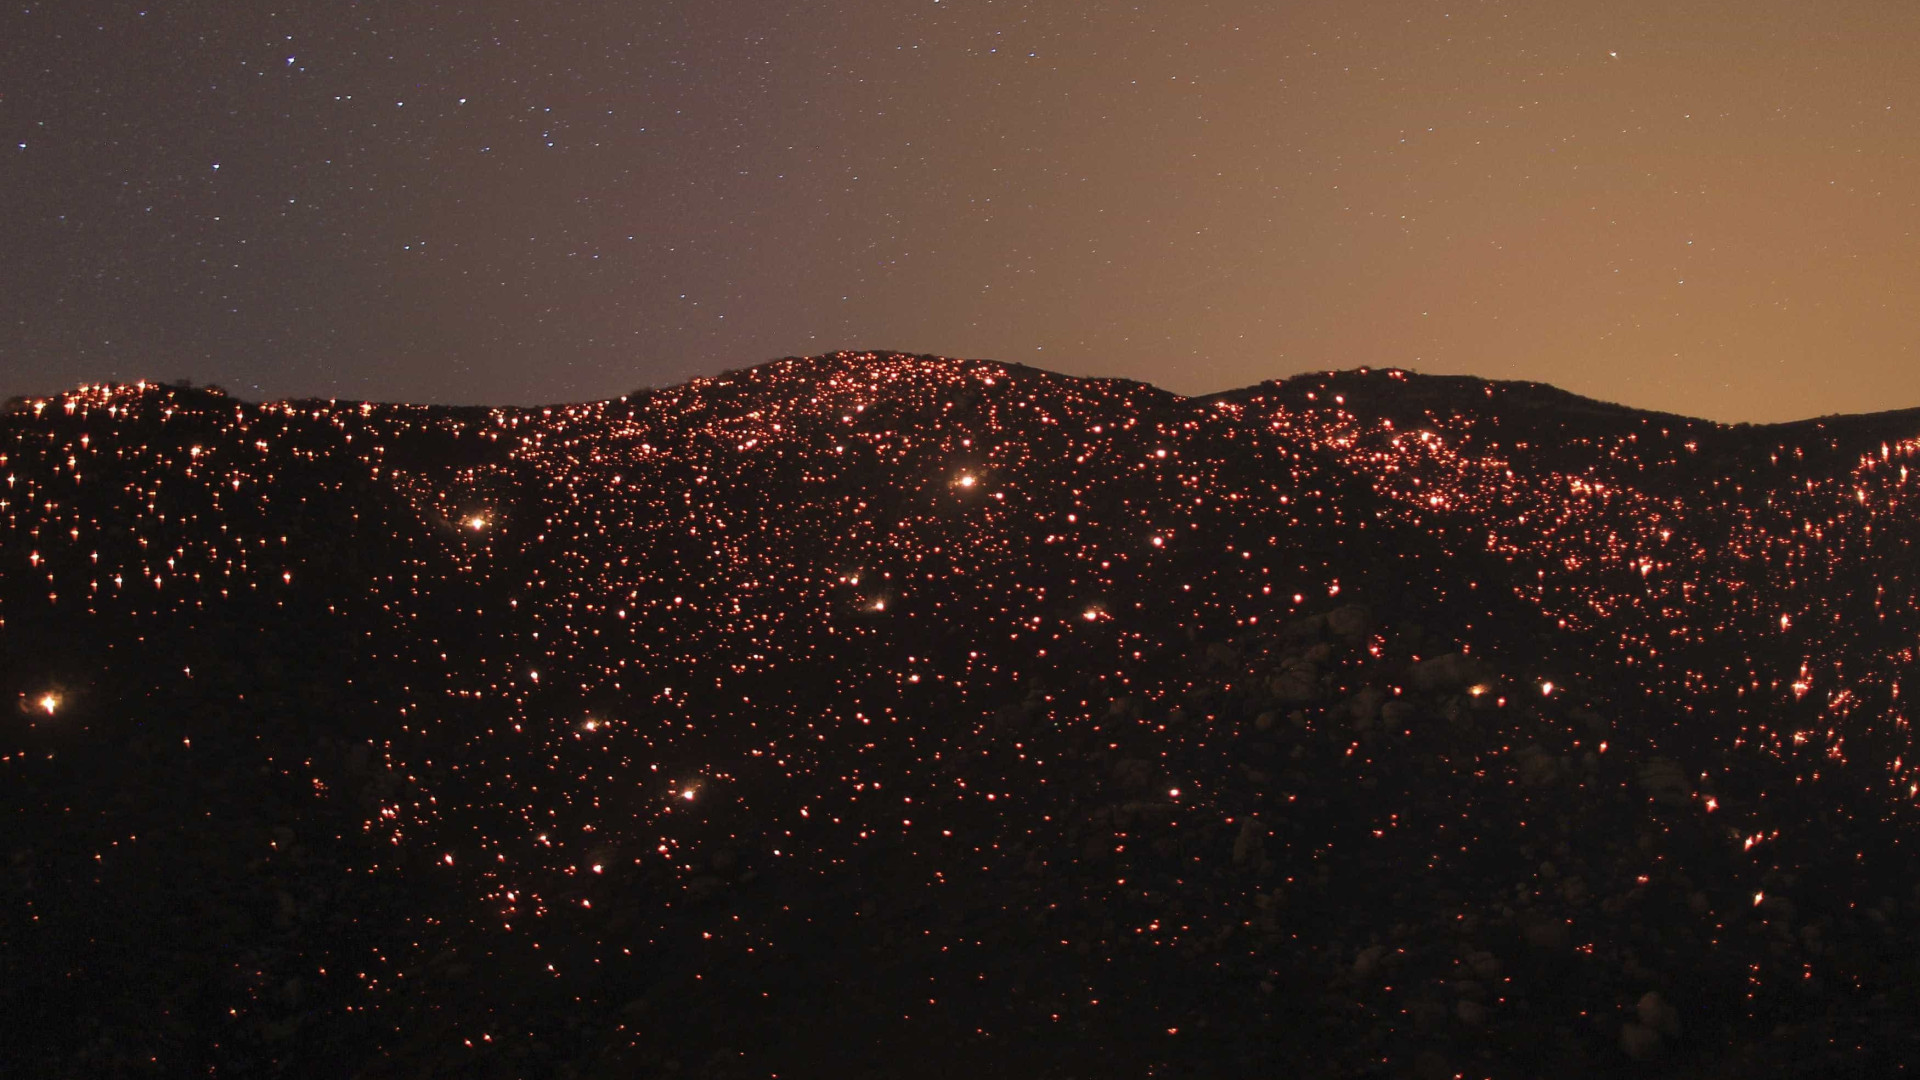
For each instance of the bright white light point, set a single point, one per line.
(476, 523)
(534, 675)
(1174, 792)
(879, 605)
(1757, 897)
(592, 725)
(1546, 688)
(49, 702)
(687, 794)
(1476, 691)
(448, 859)
(965, 481)
(597, 868)
(1090, 614)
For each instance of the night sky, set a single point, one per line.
(1708, 208)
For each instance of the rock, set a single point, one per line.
(1665, 783)
(1364, 706)
(1777, 907)
(1657, 1015)
(1484, 964)
(1368, 961)
(1351, 622)
(1574, 891)
(1538, 768)
(1452, 671)
(1639, 1042)
(1132, 774)
(1250, 845)
(1307, 629)
(1545, 933)
(1295, 685)
(703, 887)
(1595, 725)
(1395, 714)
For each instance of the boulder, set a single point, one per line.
(1543, 932)
(1657, 1015)
(1351, 622)
(1665, 783)
(1250, 844)
(1368, 961)
(1639, 1042)
(1295, 685)
(1452, 671)
(1364, 707)
(1538, 768)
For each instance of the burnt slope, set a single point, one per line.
(804, 718)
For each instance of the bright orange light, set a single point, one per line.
(50, 702)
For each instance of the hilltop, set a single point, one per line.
(802, 718)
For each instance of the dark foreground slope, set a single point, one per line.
(851, 715)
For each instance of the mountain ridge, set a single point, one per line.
(1420, 386)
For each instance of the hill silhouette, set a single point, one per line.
(867, 712)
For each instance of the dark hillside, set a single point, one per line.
(806, 718)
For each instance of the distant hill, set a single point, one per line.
(815, 715)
